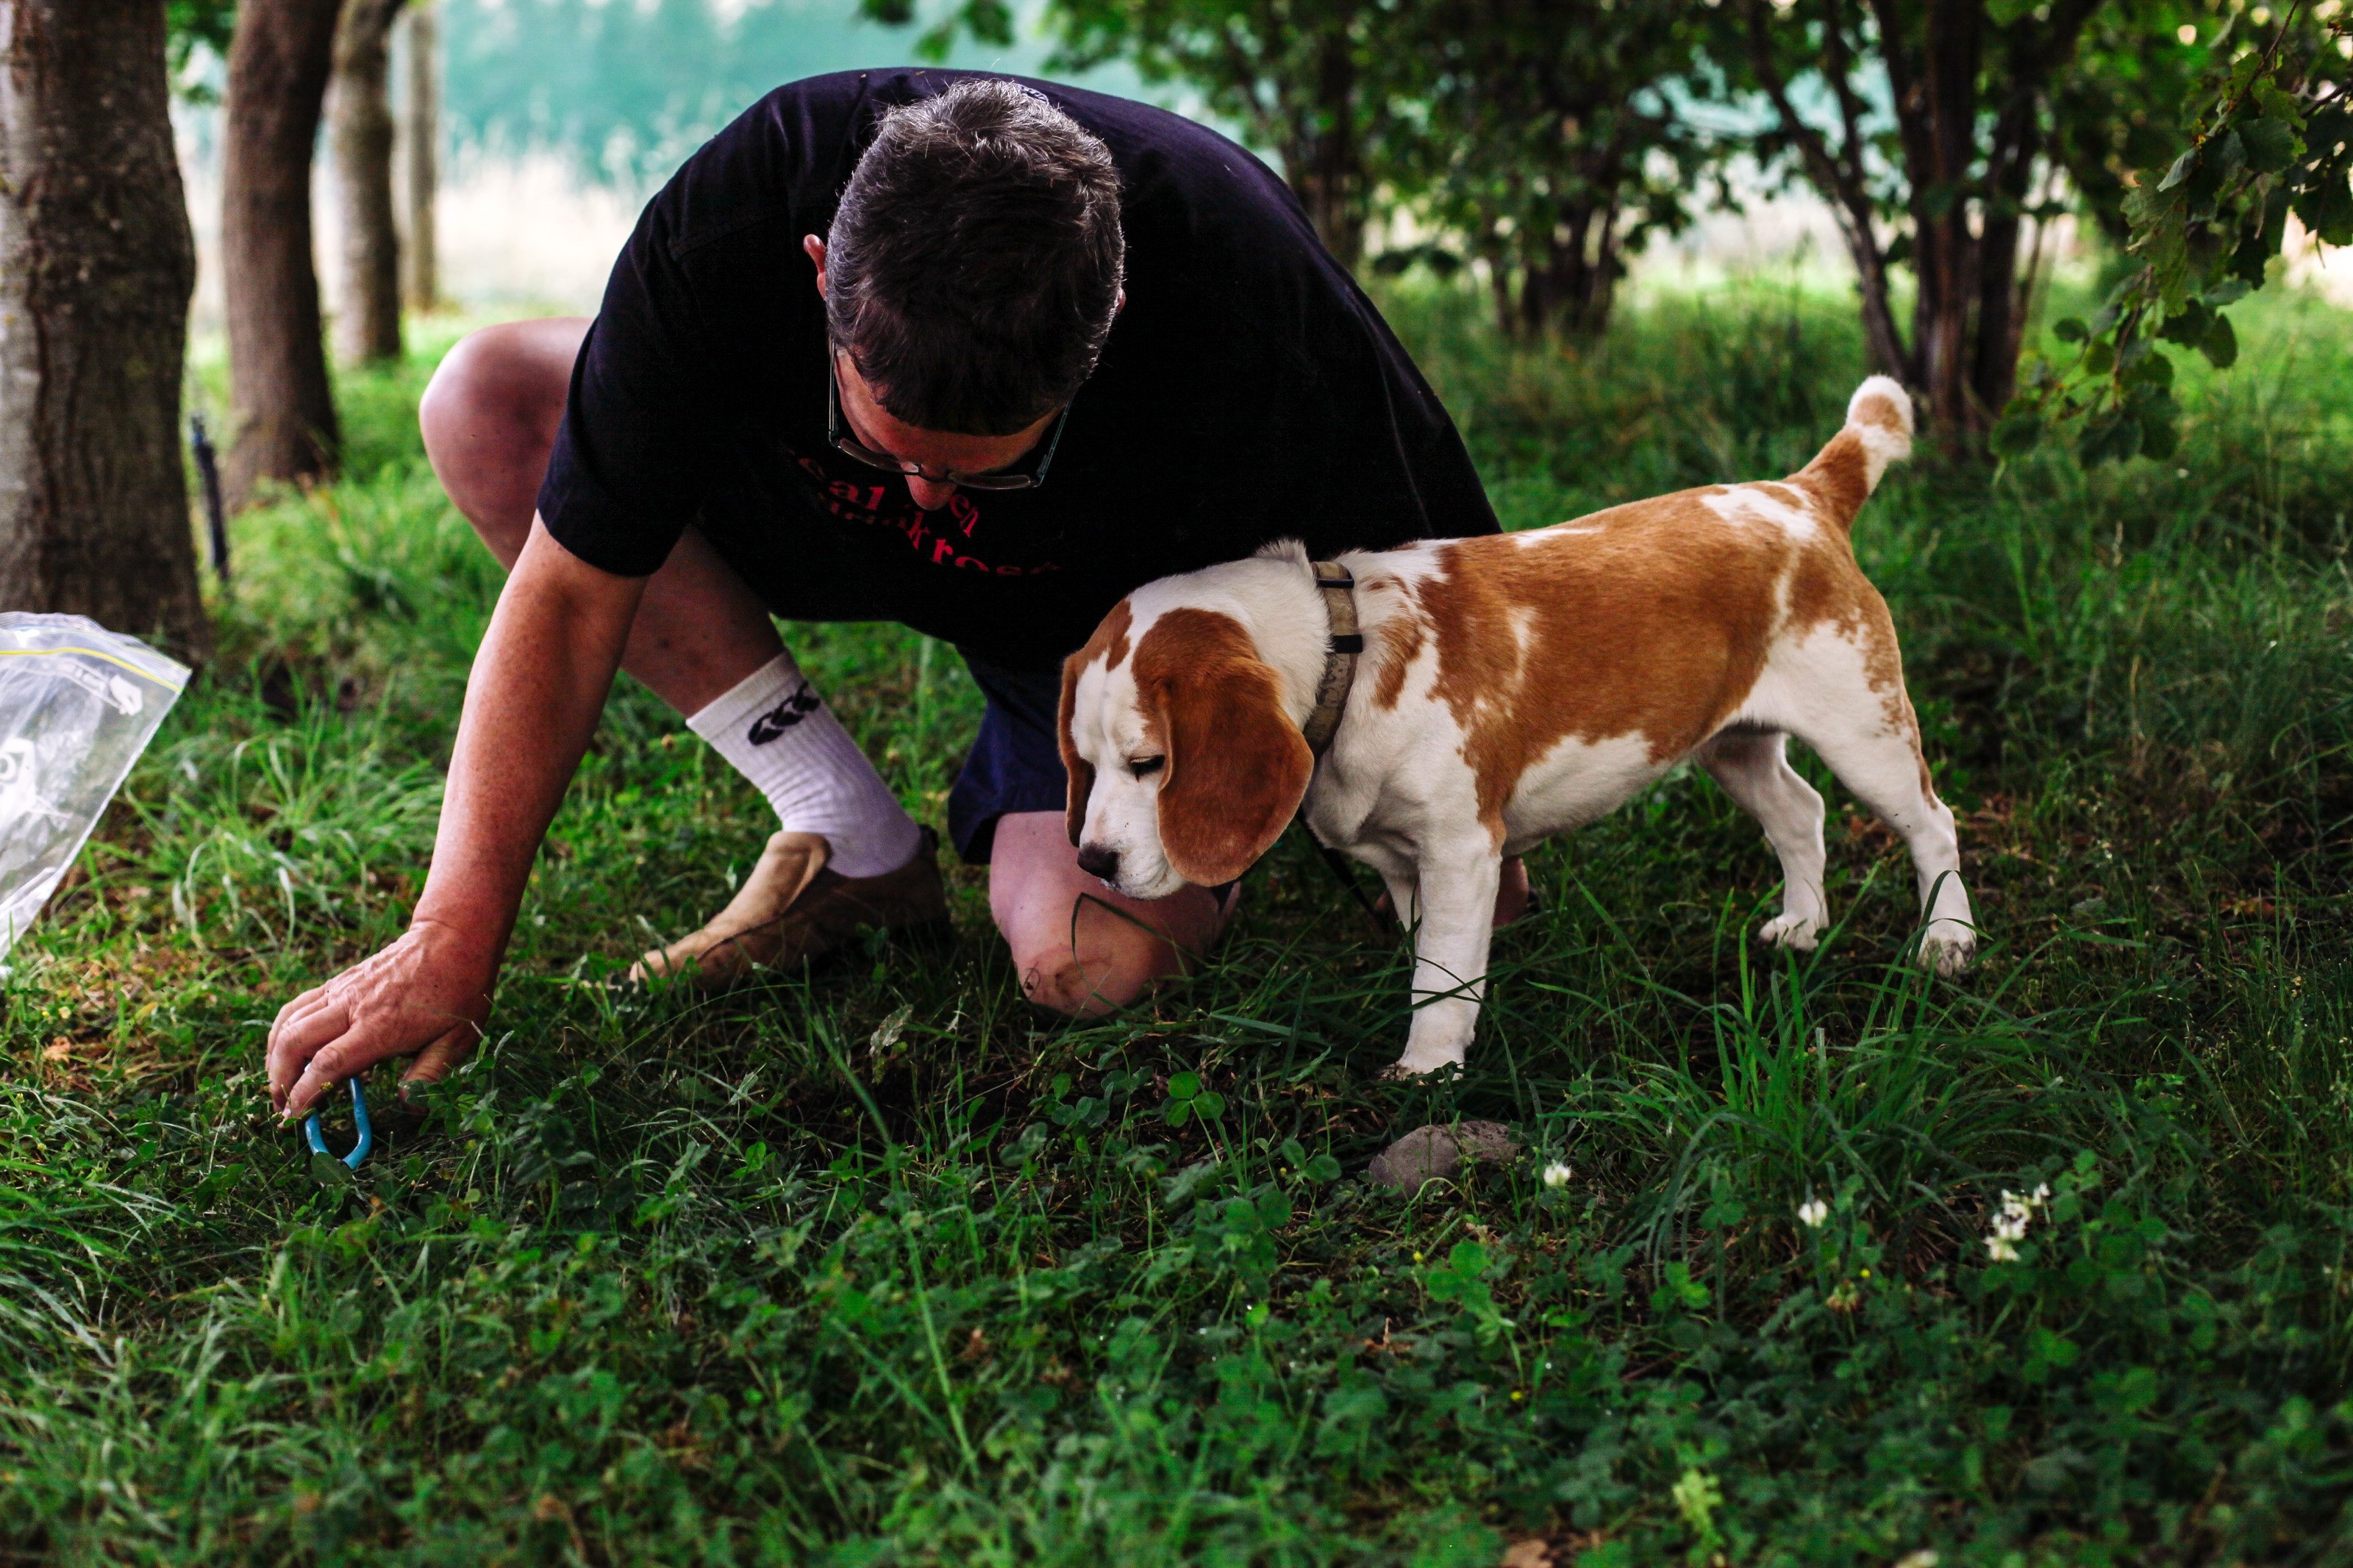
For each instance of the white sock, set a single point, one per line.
(775, 731)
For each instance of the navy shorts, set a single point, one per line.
(1015, 760)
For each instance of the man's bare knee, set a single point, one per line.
(489, 416)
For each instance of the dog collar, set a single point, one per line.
(1338, 587)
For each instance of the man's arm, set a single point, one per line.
(538, 684)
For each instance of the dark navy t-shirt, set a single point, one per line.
(1248, 391)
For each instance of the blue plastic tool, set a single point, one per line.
(359, 1119)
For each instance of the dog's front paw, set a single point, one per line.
(1948, 947)
(1412, 1064)
(1801, 933)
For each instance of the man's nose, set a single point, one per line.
(929, 494)
(1098, 861)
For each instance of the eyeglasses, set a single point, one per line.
(837, 431)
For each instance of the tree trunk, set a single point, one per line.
(1324, 162)
(1592, 306)
(96, 266)
(420, 139)
(1936, 100)
(359, 130)
(1539, 262)
(285, 413)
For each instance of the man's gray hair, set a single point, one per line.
(975, 265)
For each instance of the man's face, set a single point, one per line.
(937, 450)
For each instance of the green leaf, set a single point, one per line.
(1209, 1106)
(2016, 432)
(2277, 103)
(2225, 155)
(2101, 357)
(2148, 370)
(330, 1172)
(2109, 440)
(2183, 167)
(1323, 1168)
(1294, 1154)
(2270, 145)
(1184, 1086)
(2069, 329)
(1176, 1112)
(2220, 344)
(1274, 1209)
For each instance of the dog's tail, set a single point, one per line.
(1878, 432)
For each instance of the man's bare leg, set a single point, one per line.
(489, 417)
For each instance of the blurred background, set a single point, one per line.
(556, 119)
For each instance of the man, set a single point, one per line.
(967, 354)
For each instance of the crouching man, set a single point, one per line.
(970, 354)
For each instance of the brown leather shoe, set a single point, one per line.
(793, 909)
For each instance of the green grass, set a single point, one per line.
(871, 1267)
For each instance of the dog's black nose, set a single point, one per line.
(1097, 861)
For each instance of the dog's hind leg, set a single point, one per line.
(1753, 767)
(1877, 754)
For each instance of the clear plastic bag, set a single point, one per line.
(77, 704)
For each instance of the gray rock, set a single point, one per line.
(1433, 1153)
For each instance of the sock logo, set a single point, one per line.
(783, 715)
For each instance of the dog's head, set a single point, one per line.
(1184, 765)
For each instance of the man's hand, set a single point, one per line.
(426, 994)
(539, 681)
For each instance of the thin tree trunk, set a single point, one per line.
(1539, 261)
(1937, 110)
(1499, 283)
(96, 266)
(359, 130)
(1600, 293)
(1330, 179)
(285, 413)
(1838, 175)
(1991, 374)
(420, 135)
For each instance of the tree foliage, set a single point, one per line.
(1552, 139)
(1944, 173)
(2271, 138)
(193, 24)
(1308, 78)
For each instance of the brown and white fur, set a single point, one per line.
(1514, 687)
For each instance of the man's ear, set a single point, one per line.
(1081, 772)
(1236, 766)
(814, 248)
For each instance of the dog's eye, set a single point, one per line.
(1143, 766)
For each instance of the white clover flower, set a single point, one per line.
(1556, 1174)
(2010, 1225)
(1812, 1212)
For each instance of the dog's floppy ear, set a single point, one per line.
(1236, 766)
(1081, 771)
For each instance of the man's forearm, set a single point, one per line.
(538, 685)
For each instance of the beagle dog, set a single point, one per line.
(1439, 707)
